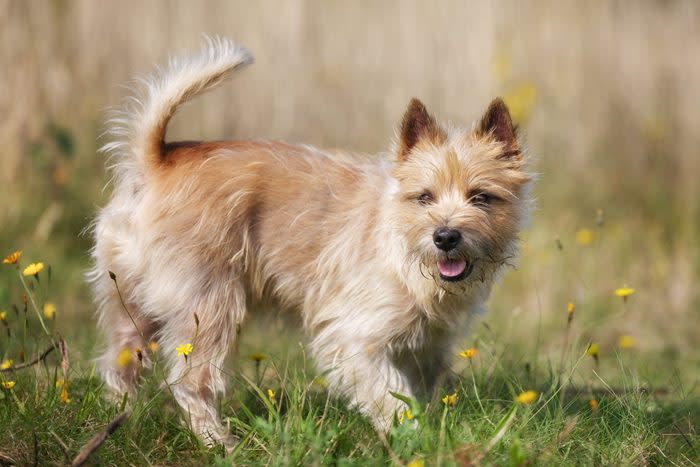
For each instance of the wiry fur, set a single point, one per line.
(214, 229)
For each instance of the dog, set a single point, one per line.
(385, 259)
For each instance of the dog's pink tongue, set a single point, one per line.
(451, 267)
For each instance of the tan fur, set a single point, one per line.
(210, 228)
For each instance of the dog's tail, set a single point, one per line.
(139, 127)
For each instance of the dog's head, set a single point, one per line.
(462, 195)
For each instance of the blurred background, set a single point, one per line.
(606, 95)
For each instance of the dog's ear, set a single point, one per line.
(417, 125)
(497, 124)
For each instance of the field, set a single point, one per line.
(600, 316)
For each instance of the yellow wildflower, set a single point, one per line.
(501, 66)
(33, 269)
(526, 397)
(570, 307)
(594, 404)
(624, 292)
(406, 415)
(257, 357)
(319, 382)
(124, 358)
(520, 100)
(584, 237)
(7, 384)
(3, 315)
(626, 341)
(60, 382)
(184, 349)
(271, 396)
(6, 364)
(468, 353)
(49, 310)
(153, 346)
(450, 399)
(13, 257)
(416, 463)
(655, 128)
(65, 397)
(592, 350)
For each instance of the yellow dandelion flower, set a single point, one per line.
(153, 346)
(592, 350)
(257, 357)
(570, 308)
(468, 353)
(626, 342)
(49, 310)
(450, 399)
(585, 237)
(406, 415)
(13, 257)
(271, 396)
(6, 364)
(624, 292)
(3, 315)
(33, 269)
(526, 397)
(184, 349)
(520, 100)
(319, 382)
(60, 382)
(65, 397)
(124, 358)
(416, 463)
(594, 404)
(7, 384)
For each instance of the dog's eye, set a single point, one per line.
(425, 198)
(481, 199)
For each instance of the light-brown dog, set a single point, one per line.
(385, 259)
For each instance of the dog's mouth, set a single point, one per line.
(453, 270)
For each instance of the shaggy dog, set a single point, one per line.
(384, 258)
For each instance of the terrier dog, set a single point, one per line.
(385, 259)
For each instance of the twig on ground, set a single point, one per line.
(60, 442)
(28, 364)
(97, 440)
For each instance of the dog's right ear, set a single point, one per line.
(417, 125)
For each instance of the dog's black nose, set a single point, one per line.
(446, 238)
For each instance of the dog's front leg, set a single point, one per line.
(364, 372)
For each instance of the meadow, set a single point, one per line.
(588, 354)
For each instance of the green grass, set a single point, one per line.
(634, 423)
(310, 427)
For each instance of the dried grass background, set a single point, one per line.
(607, 95)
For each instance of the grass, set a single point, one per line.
(283, 414)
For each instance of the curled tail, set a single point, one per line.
(139, 127)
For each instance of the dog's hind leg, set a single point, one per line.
(197, 379)
(127, 336)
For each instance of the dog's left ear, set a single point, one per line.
(497, 124)
(417, 125)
